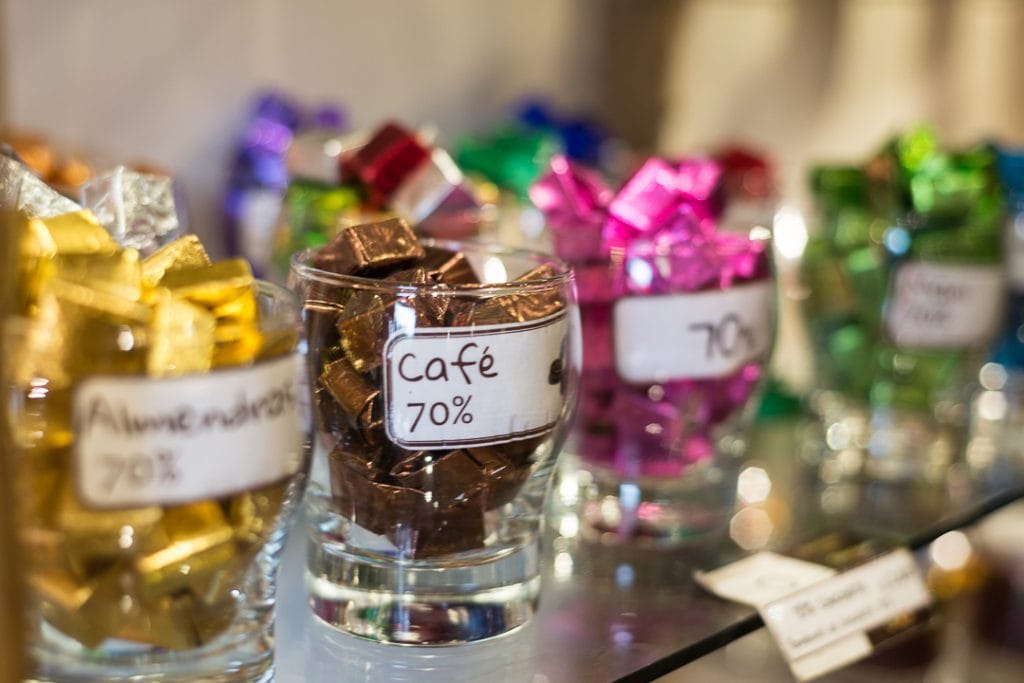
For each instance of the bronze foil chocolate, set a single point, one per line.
(370, 246)
(510, 308)
(451, 268)
(357, 396)
(365, 321)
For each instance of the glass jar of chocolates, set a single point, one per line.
(906, 291)
(443, 375)
(161, 442)
(678, 324)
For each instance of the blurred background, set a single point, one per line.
(171, 85)
(801, 79)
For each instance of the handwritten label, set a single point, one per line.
(692, 336)
(472, 386)
(944, 306)
(847, 604)
(142, 441)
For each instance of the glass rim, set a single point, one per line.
(301, 266)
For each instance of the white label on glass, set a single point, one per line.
(1015, 252)
(142, 441)
(691, 336)
(847, 604)
(944, 306)
(471, 386)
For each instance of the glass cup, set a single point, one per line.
(440, 410)
(153, 510)
(677, 337)
(899, 333)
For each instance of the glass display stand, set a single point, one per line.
(613, 611)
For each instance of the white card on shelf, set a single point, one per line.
(818, 616)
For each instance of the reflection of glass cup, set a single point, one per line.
(901, 314)
(677, 335)
(153, 509)
(440, 410)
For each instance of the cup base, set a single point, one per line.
(692, 509)
(243, 653)
(884, 444)
(456, 600)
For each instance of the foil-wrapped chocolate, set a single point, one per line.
(186, 252)
(10, 179)
(364, 322)
(353, 392)
(370, 247)
(36, 198)
(138, 209)
(507, 308)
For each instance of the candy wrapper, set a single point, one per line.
(515, 154)
(656, 393)
(124, 540)
(299, 177)
(279, 141)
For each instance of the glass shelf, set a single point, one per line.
(613, 611)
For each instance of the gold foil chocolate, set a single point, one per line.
(240, 309)
(91, 533)
(211, 285)
(61, 589)
(277, 343)
(211, 620)
(183, 253)
(77, 232)
(164, 622)
(353, 392)
(78, 331)
(74, 607)
(253, 514)
(200, 542)
(182, 338)
(44, 424)
(218, 587)
(239, 351)
(370, 246)
(117, 274)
